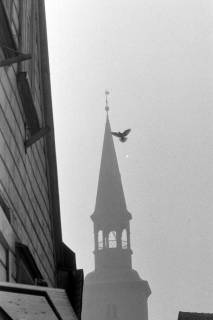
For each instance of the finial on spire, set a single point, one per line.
(107, 107)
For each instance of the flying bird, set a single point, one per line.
(121, 135)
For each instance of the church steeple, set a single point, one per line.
(110, 201)
(114, 290)
(111, 217)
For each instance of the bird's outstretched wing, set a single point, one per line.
(126, 132)
(117, 134)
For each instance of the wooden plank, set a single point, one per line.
(27, 102)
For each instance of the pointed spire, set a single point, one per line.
(110, 201)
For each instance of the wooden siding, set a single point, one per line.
(23, 174)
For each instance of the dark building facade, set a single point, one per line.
(31, 247)
(114, 289)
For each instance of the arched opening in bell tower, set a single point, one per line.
(124, 239)
(100, 240)
(112, 239)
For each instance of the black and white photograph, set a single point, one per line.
(106, 160)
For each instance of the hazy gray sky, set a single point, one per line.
(156, 59)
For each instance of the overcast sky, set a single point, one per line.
(156, 59)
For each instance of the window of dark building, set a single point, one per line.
(12, 10)
(7, 34)
(27, 270)
(25, 93)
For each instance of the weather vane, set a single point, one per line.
(107, 107)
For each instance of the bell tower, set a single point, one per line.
(111, 218)
(113, 290)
